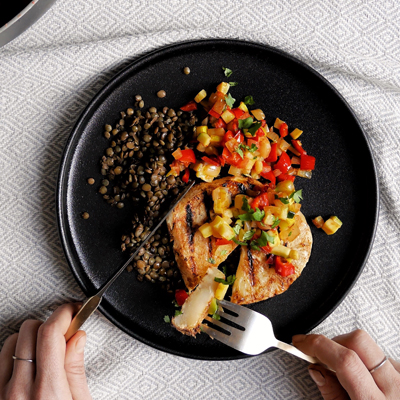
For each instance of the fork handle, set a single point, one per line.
(296, 352)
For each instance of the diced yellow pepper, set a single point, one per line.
(227, 213)
(201, 129)
(239, 201)
(200, 96)
(227, 116)
(235, 171)
(318, 222)
(216, 140)
(223, 87)
(296, 133)
(216, 132)
(211, 150)
(269, 219)
(204, 139)
(258, 114)
(331, 225)
(206, 230)
(221, 291)
(226, 231)
(243, 107)
(275, 235)
(258, 166)
(286, 224)
(294, 254)
(295, 207)
(222, 199)
(278, 123)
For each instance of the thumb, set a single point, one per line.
(327, 383)
(75, 367)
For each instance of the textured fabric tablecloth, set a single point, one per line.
(47, 77)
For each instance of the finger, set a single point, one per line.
(6, 360)
(24, 371)
(75, 368)
(350, 370)
(51, 345)
(371, 355)
(395, 364)
(327, 383)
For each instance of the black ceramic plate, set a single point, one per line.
(343, 184)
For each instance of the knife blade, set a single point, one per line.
(91, 304)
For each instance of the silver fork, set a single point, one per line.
(257, 336)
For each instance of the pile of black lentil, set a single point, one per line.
(134, 168)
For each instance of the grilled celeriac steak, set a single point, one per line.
(194, 254)
(256, 280)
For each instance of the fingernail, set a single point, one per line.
(298, 338)
(317, 377)
(80, 344)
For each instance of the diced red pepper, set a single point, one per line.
(283, 129)
(214, 114)
(220, 123)
(252, 141)
(263, 122)
(273, 155)
(269, 175)
(191, 106)
(228, 136)
(283, 268)
(180, 296)
(235, 160)
(267, 250)
(219, 106)
(188, 156)
(260, 201)
(221, 160)
(211, 161)
(239, 137)
(238, 112)
(284, 163)
(233, 125)
(245, 115)
(220, 242)
(297, 145)
(186, 175)
(260, 132)
(307, 162)
(285, 177)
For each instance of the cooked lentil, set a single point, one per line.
(134, 168)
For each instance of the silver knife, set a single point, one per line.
(91, 304)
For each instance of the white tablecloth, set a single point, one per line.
(49, 74)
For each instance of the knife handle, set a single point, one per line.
(88, 308)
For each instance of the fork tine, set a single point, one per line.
(220, 324)
(214, 334)
(228, 316)
(236, 308)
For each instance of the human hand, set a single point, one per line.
(353, 356)
(58, 372)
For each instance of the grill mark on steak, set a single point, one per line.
(251, 266)
(189, 223)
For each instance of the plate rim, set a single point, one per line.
(75, 133)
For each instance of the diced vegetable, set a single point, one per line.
(283, 268)
(258, 114)
(223, 87)
(331, 225)
(222, 199)
(318, 222)
(296, 133)
(204, 139)
(221, 291)
(206, 230)
(200, 96)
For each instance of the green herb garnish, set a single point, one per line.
(233, 83)
(167, 319)
(248, 235)
(227, 72)
(216, 316)
(178, 312)
(239, 242)
(254, 128)
(276, 222)
(229, 280)
(291, 214)
(211, 260)
(254, 245)
(297, 196)
(245, 123)
(284, 200)
(249, 101)
(258, 215)
(223, 252)
(236, 229)
(229, 100)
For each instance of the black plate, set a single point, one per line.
(344, 184)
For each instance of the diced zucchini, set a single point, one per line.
(213, 306)
(281, 251)
(206, 230)
(200, 96)
(223, 87)
(204, 139)
(201, 129)
(286, 224)
(331, 225)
